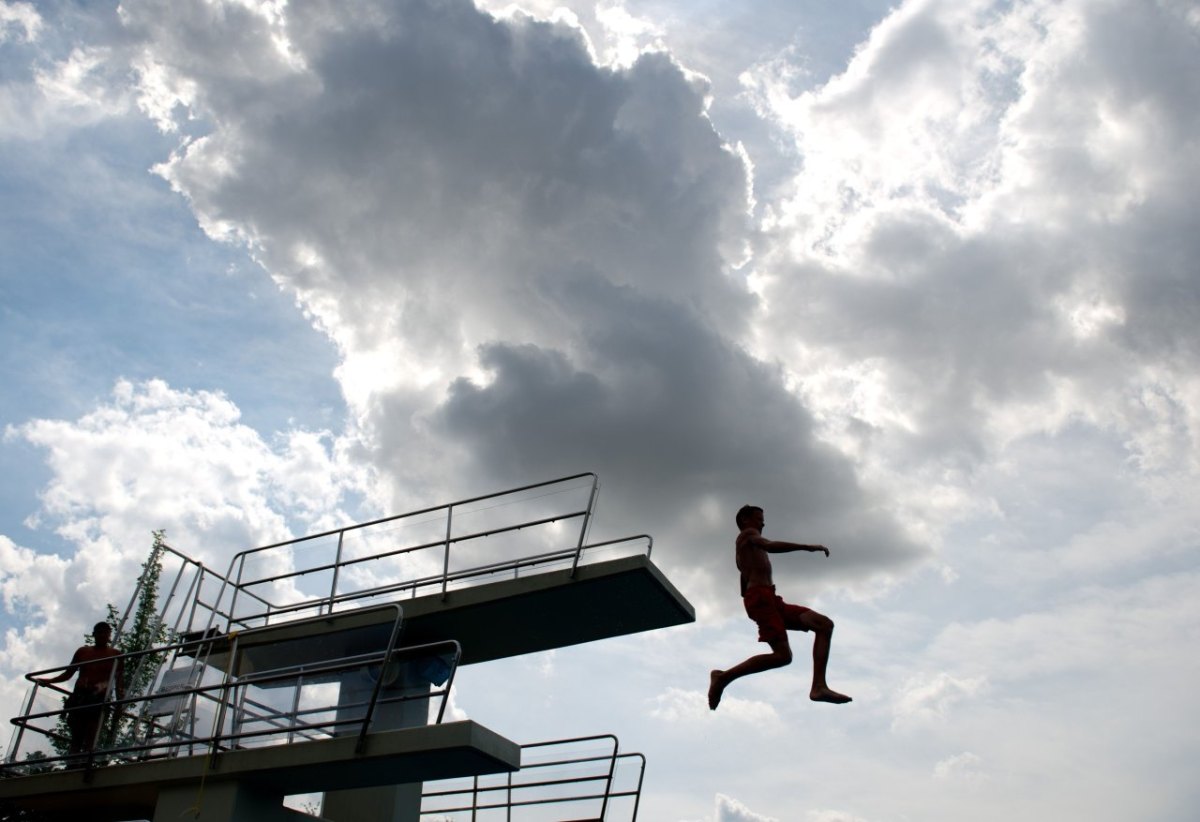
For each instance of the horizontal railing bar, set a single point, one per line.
(430, 510)
(561, 554)
(411, 549)
(527, 802)
(572, 741)
(522, 786)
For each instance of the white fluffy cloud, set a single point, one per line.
(965, 765)
(691, 707)
(930, 698)
(833, 816)
(19, 21)
(731, 810)
(980, 243)
(153, 458)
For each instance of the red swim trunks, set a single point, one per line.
(772, 614)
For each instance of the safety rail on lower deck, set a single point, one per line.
(586, 778)
(207, 711)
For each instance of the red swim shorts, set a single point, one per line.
(772, 614)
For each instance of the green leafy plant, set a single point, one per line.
(144, 632)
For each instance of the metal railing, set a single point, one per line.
(431, 549)
(186, 583)
(255, 709)
(584, 777)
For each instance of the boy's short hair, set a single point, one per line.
(101, 626)
(743, 513)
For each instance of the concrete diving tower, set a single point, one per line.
(324, 663)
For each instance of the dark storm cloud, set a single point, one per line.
(449, 193)
(671, 414)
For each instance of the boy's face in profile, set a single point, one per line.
(755, 521)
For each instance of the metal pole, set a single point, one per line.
(387, 657)
(295, 708)
(587, 519)
(612, 766)
(446, 556)
(637, 799)
(191, 595)
(20, 732)
(337, 564)
(219, 721)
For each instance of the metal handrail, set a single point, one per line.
(480, 796)
(387, 657)
(430, 510)
(218, 739)
(238, 562)
(334, 566)
(481, 570)
(221, 612)
(327, 604)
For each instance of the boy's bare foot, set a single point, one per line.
(715, 689)
(825, 695)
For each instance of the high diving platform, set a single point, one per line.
(503, 618)
(324, 664)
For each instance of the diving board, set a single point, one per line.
(494, 620)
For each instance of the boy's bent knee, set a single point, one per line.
(817, 623)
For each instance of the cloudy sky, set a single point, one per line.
(918, 277)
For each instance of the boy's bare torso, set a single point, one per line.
(752, 561)
(94, 676)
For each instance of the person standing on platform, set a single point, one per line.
(98, 665)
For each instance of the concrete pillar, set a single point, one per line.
(390, 803)
(222, 801)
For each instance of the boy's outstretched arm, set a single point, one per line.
(775, 546)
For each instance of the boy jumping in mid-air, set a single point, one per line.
(774, 616)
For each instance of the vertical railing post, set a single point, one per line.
(449, 683)
(162, 614)
(637, 797)
(237, 587)
(191, 595)
(215, 608)
(15, 747)
(295, 709)
(387, 658)
(337, 566)
(219, 721)
(587, 520)
(612, 767)
(508, 804)
(191, 618)
(446, 554)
